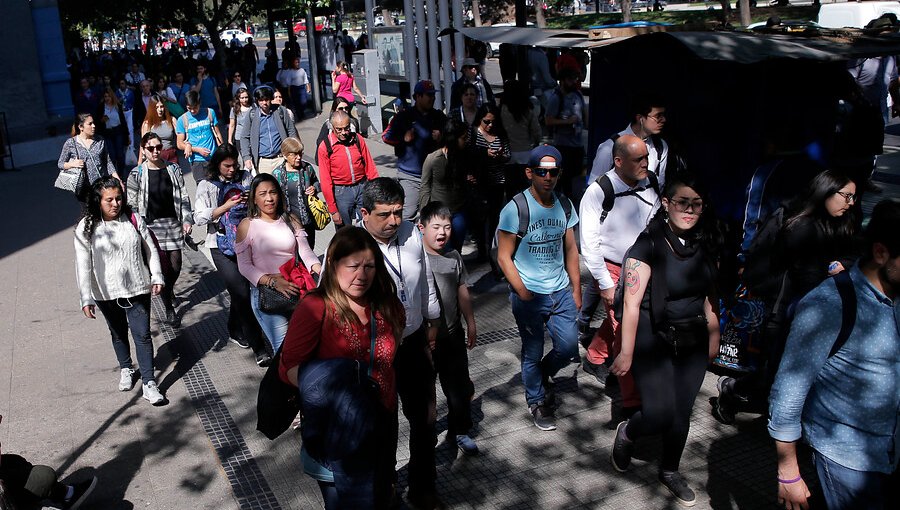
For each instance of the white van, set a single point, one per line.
(854, 14)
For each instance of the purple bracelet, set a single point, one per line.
(793, 480)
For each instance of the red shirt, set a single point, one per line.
(313, 334)
(339, 169)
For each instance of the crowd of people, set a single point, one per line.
(392, 293)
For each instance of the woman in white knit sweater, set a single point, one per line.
(111, 244)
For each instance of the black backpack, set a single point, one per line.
(524, 215)
(762, 274)
(609, 195)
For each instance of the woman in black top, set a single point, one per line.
(669, 329)
(488, 152)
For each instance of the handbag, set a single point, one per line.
(684, 334)
(74, 179)
(273, 301)
(742, 332)
(277, 403)
(319, 211)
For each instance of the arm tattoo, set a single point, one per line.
(632, 278)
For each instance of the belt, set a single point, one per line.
(357, 183)
(273, 156)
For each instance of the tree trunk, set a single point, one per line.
(218, 45)
(539, 14)
(744, 9)
(626, 11)
(388, 19)
(726, 6)
(476, 12)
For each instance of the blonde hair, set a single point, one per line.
(291, 145)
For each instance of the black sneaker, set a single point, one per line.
(620, 456)
(677, 485)
(240, 342)
(543, 417)
(550, 401)
(80, 493)
(723, 408)
(600, 372)
(263, 359)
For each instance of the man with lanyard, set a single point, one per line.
(648, 118)
(267, 125)
(539, 259)
(609, 226)
(404, 255)
(197, 132)
(471, 75)
(345, 164)
(415, 133)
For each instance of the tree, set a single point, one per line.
(626, 11)
(476, 12)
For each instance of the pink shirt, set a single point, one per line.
(345, 86)
(268, 246)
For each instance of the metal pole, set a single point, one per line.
(433, 64)
(421, 40)
(313, 60)
(458, 43)
(409, 44)
(444, 10)
(370, 23)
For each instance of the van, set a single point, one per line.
(854, 14)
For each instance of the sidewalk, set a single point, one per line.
(58, 397)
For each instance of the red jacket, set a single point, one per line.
(340, 169)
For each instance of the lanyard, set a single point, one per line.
(373, 328)
(398, 270)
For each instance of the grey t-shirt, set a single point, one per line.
(564, 107)
(449, 273)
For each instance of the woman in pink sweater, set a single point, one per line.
(266, 239)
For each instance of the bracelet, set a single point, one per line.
(271, 283)
(793, 480)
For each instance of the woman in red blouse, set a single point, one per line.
(334, 321)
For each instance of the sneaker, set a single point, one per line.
(466, 445)
(152, 394)
(677, 485)
(172, 317)
(263, 359)
(600, 372)
(126, 379)
(80, 493)
(620, 456)
(723, 408)
(543, 417)
(240, 342)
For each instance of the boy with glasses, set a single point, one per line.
(537, 253)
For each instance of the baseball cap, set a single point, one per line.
(542, 151)
(424, 87)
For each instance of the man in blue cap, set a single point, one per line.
(537, 253)
(415, 133)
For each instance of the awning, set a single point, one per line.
(525, 36)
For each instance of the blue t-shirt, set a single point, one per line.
(207, 93)
(199, 131)
(540, 258)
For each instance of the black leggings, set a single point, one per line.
(241, 321)
(171, 276)
(668, 386)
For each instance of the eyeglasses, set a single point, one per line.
(341, 129)
(343, 108)
(849, 197)
(683, 205)
(237, 76)
(542, 172)
(154, 148)
(487, 122)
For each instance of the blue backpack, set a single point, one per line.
(226, 230)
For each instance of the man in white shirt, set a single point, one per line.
(134, 77)
(615, 209)
(407, 263)
(648, 119)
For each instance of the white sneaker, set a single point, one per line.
(126, 379)
(152, 394)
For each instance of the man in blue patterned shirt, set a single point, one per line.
(845, 405)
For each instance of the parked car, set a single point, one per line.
(227, 35)
(300, 26)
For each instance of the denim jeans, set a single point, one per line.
(130, 313)
(847, 489)
(273, 325)
(348, 200)
(557, 311)
(460, 229)
(590, 301)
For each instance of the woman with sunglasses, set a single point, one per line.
(816, 241)
(668, 326)
(488, 149)
(345, 106)
(159, 121)
(240, 105)
(157, 193)
(111, 244)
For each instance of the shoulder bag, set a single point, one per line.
(74, 179)
(273, 301)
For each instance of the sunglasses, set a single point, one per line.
(487, 122)
(154, 148)
(542, 172)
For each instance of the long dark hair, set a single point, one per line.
(92, 214)
(491, 108)
(223, 152)
(382, 294)
(80, 119)
(811, 205)
(454, 129)
(253, 210)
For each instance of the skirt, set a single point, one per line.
(168, 232)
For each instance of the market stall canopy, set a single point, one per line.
(525, 36)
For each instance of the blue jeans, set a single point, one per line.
(460, 229)
(348, 200)
(557, 311)
(273, 325)
(846, 488)
(130, 313)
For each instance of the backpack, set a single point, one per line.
(524, 215)
(848, 309)
(226, 230)
(657, 142)
(609, 195)
(761, 274)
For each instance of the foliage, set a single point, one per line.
(582, 21)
